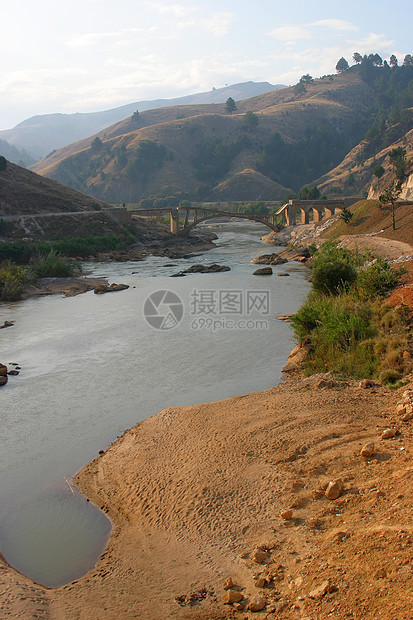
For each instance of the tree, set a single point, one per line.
(357, 58)
(251, 120)
(375, 60)
(408, 61)
(378, 171)
(393, 61)
(96, 144)
(392, 192)
(3, 163)
(397, 157)
(342, 65)
(390, 196)
(306, 79)
(230, 105)
(136, 117)
(346, 215)
(299, 89)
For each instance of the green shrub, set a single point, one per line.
(51, 266)
(12, 281)
(331, 277)
(376, 280)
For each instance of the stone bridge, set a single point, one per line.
(192, 216)
(320, 209)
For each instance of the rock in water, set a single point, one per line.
(269, 259)
(264, 271)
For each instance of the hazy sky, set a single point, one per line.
(89, 55)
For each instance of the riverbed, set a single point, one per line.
(92, 366)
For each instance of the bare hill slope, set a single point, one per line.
(181, 148)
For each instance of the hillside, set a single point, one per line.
(23, 192)
(370, 218)
(355, 176)
(197, 150)
(41, 134)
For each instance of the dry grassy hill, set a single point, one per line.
(370, 218)
(23, 192)
(336, 104)
(358, 177)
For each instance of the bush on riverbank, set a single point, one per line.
(346, 322)
(22, 252)
(13, 277)
(12, 281)
(52, 266)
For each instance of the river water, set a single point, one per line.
(92, 367)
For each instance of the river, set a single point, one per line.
(92, 367)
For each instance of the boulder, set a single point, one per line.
(214, 268)
(3, 380)
(257, 603)
(232, 596)
(334, 489)
(264, 271)
(228, 584)
(367, 450)
(259, 556)
(3, 370)
(105, 288)
(7, 324)
(287, 515)
(269, 259)
(285, 317)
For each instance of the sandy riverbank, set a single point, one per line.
(195, 490)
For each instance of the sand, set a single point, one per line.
(193, 491)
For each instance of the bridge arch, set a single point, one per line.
(190, 225)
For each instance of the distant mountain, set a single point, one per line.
(14, 155)
(273, 143)
(39, 135)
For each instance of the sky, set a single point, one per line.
(91, 55)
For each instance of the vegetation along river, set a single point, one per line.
(92, 366)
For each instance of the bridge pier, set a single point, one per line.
(174, 219)
(290, 215)
(305, 216)
(317, 214)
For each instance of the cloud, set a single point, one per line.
(185, 17)
(334, 24)
(290, 32)
(90, 39)
(373, 43)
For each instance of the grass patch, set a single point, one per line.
(52, 266)
(22, 252)
(345, 320)
(12, 281)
